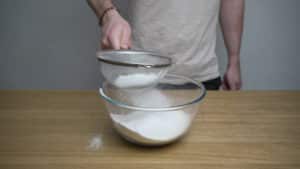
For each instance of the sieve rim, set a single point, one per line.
(101, 54)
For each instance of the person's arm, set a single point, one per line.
(115, 30)
(232, 18)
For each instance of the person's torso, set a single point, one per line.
(183, 30)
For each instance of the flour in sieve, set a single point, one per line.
(135, 80)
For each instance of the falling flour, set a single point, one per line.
(135, 80)
(152, 128)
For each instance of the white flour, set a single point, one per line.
(135, 80)
(152, 127)
(95, 143)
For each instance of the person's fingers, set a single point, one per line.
(232, 86)
(105, 47)
(105, 43)
(115, 42)
(239, 85)
(129, 43)
(126, 36)
(225, 85)
(115, 38)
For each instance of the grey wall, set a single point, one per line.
(51, 45)
(47, 44)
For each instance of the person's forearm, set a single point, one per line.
(115, 30)
(232, 18)
(99, 6)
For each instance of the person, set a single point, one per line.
(184, 30)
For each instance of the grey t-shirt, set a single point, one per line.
(183, 30)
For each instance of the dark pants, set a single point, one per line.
(213, 84)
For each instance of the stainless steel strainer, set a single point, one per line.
(132, 68)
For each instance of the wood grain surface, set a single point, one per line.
(234, 130)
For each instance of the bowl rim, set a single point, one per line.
(170, 108)
(102, 53)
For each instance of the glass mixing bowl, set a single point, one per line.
(154, 116)
(132, 69)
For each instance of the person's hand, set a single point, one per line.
(116, 32)
(232, 79)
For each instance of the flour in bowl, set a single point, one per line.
(152, 127)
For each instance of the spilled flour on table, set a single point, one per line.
(95, 143)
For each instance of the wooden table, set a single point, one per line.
(235, 130)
